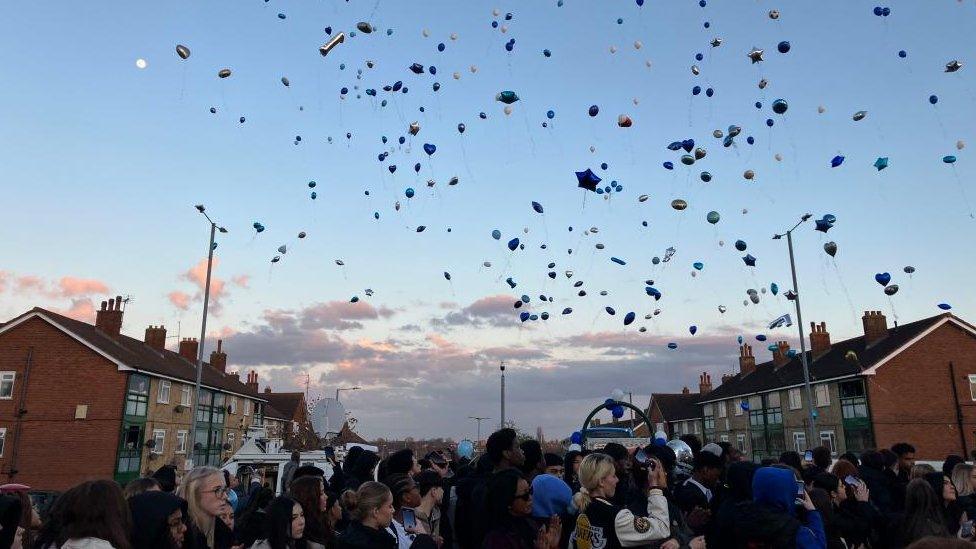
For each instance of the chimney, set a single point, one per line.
(252, 381)
(188, 348)
(780, 357)
(218, 358)
(704, 384)
(267, 390)
(109, 318)
(875, 327)
(747, 362)
(236, 376)
(156, 337)
(686, 390)
(819, 339)
(726, 378)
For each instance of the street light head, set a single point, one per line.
(200, 208)
(222, 229)
(806, 217)
(777, 236)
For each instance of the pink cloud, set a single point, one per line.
(81, 309)
(29, 283)
(180, 300)
(72, 286)
(241, 281)
(493, 310)
(4, 276)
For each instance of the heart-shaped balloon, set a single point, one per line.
(688, 145)
(722, 308)
(882, 278)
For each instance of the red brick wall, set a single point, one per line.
(57, 451)
(911, 396)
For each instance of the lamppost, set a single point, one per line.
(795, 296)
(345, 389)
(502, 368)
(203, 324)
(479, 420)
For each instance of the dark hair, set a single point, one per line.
(827, 482)
(888, 457)
(399, 462)
(872, 459)
(693, 442)
(553, 460)
(792, 459)
(307, 491)
(933, 542)
(398, 485)
(568, 459)
(166, 475)
(533, 455)
(951, 461)
(708, 460)
(727, 450)
(140, 485)
(96, 509)
(821, 457)
(498, 442)
(11, 510)
(308, 471)
(923, 513)
(902, 448)
(150, 519)
(615, 450)
(821, 502)
(850, 457)
(277, 524)
(362, 466)
(499, 495)
(428, 480)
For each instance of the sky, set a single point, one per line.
(101, 163)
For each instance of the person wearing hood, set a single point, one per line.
(872, 472)
(361, 470)
(158, 520)
(738, 479)
(509, 503)
(945, 493)
(571, 463)
(166, 476)
(771, 520)
(284, 525)
(552, 497)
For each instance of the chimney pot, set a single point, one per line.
(747, 362)
(156, 337)
(704, 383)
(875, 327)
(218, 358)
(189, 349)
(109, 319)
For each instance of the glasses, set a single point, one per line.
(220, 491)
(526, 496)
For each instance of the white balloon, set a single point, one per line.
(638, 45)
(508, 109)
(613, 49)
(425, 32)
(141, 63)
(454, 36)
(457, 75)
(617, 394)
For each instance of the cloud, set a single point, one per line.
(494, 310)
(410, 328)
(180, 300)
(241, 281)
(29, 284)
(70, 286)
(340, 315)
(81, 309)
(4, 277)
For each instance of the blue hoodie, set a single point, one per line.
(550, 496)
(775, 489)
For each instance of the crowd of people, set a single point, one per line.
(515, 496)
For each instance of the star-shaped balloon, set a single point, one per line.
(823, 225)
(881, 163)
(953, 66)
(756, 55)
(587, 180)
(716, 42)
(749, 260)
(507, 97)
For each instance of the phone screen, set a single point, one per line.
(409, 518)
(641, 457)
(808, 456)
(851, 480)
(967, 529)
(800, 489)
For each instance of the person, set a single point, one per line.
(166, 476)
(603, 524)
(11, 510)
(850, 516)
(504, 452)
(905, 453)
(309, 492)
(340, 485)
(851, 458)
(333, 511)
(95, 516)
(232, 483)
(284, 526)
(950, 463)
(552, 497)
(288, 471)
(738, 478)
(919, 470)
(439, 464)
(964, 478)
(571, 463)
(405, 495)
(821, 502)
(468, 519)
(535, 463)
(371, 508)
(821, 461)
(509, 507)
(793, 459)
(771, 520)
(554, 464)
(924, 515)
(696, 491)
(872, 472)
(361, 469)
(945, 492)
(250, 521)
(693, 442)
(29, 520)
(158, 520)
(428, 512)
(140, 485)
(205, 493)
(622, 462)
(401, 462)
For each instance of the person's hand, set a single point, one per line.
(656, 476)
(671, 544)
(697, 543)
(861, 492)
(439, 541)
(698, 517)
(555, 530)
(807, 502)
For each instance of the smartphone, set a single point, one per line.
(641, 456)
(967, 529)
(801, 489)
(409, 518)
(851, 480)
(808, 456)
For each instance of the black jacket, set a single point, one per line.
(358, 536)
(879, 484)
(857, 522)
(757, 526)
(150, 516)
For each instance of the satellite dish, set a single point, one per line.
(328, 416)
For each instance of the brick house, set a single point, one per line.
(295, 427)
(678, 413)
(914, 383)
(81, 401)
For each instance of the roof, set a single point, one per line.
(833, 364)
(677, 406)
(270, 412)
(347, 436)
(286, 403)
(133, 354)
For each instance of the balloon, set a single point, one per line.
(902, 53)
(783, 46)
(567, 310)
(629, 318)
(760, 337)
(285, 81)
(836, 161)
(679, 204)
(705, 176)
(537, 207)
(693, 329)
(933, 99)
(749, 174)
(587, 180)
(891, 290)
(698, 265)
(774, 288)
(953, 66)
(755, 54)
(223, 73)
(881, 163)
(465, 448)
(672, 346)
(774, 14)
(859, 115)
(513, 243)
(960, 145)
(421, 228)
(780, 106)
(430, 148)
(713, 217)
(949, 159)
(507, 97)
(409, 192)
(749, 260)
(909, 269)
(302, 234)
(618, 261)
(282, 249)
(496, 234)
(740, 245)
(617, 395)
(821, 109)
(945, 306)
(182, 51)
(624, 121)
(364, 27)
(722, 309)
(882, 278)
(610, 310)
(594, 110)
(830, 248)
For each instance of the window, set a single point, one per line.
(740, 442)
(972, 386)
(162, 395)
(3, 439)
(185, 395)
(724, 438)
(230, 440)
(755, 402)
(7, 384)
(800, 441)
(159, 438)
(721, 409)
(180, 442)
(853, 401)
(796, 402)
(829, 440)
(247, 407)
(137, 396)
(232, 407)
(707, 410)
(772, 400)
(823, 395)
(737, 406)
(696, 427)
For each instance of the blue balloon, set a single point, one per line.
(696, 90)
(744, 405)
(945, 306)
(878, 10)
(409, 192)
(430, 148)
(629, 318)
(774, 288)
(550, 114)
(668, 165)
(513, 244)
(567, 310)
(709, 92)
(547, 53)
(693, 329)
(699, 57)
(617, 412)
(672, 345)
(903, 54)
(594, 110)
(391, 167)
(836, 161)
(758, 104)
(933, 99)
(465, 449)
(749, 260)
(741, 245)
(739, 339)
(949, 159)
(760, 337)
(421, 228)
(537, 207)
(783, 46)
(523, 316)
(618, 261)
(770, 122)
(610, 310)
(441, 46)
(780, 106)
(496, 234)
(750, 140)
(576, 438)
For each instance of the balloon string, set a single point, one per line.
(962, 190)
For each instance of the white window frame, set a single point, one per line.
(230, 439)
(4, 378)
(696, 427)
(722, 411)
(247, 407)
(972, 386)
(159, 437)
(797, 436)
(796, 399)
(832, 437)
(825, 393)
(740, 442)
(185, 392)
(737, 406)
(723, 438)
(3, 439)
(181, 437)
(168, 385)
(232, 407)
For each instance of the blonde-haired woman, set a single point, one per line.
(603, 524)
(205, 492)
